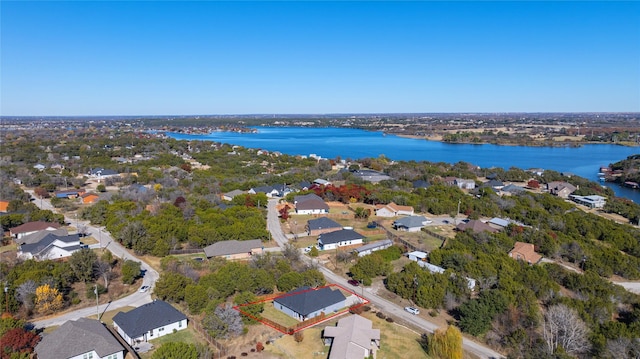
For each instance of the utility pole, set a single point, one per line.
(95, 290)
(6, 297)
(457, 213)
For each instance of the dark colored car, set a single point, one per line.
(353, 282)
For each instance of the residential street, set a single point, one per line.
(134, 300)
(384, 305)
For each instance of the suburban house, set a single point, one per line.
(417, 256)
(496, 184)
(82, 338)
(393, 210)
(318, 226)
(525, 252)
(32, 227)
(353, 338)
(432, 268)
(70, 194)
(304, 303)
(37, 237)
(101, 173)
(229, 195)
(321, 182)
(51, 246)
(411, 223)
(475, 226)
(4, 206)
(149, 321)
(373, 246)
(234, 249)
(39, 167)
(560, 189)
(512, 189)
(341, 238)
(465, 183)
(371, 176)
(498, 223)
(310, 204)
(90, 198)
(593, 201)
(270, 191)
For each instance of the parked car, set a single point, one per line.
(144, 288)
(353, 282)
(412, 310)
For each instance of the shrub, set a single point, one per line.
(389, 319)
(367, 308)
(356, 310)
(298, 337)
(259, 347)
(380, 315)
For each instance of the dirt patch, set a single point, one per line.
(244, 344)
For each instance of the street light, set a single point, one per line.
(95, 290)
(6, 296)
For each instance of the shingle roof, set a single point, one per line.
(352, 337)
(45, 242)
(323, 222)
(147, 317)
(339, 236)
(305, 300)
(310, 201)
(476, 226)
(374, 245)
(224, 248)
(33, 226)
(37, 237)
(410, 222)
(526, 252)
(78, 337)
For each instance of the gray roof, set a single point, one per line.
(235, 192)
(147, 317)
(374, 245)
(224, 248)
(37, 237)
(46, 242)
(512, 188)
(310, 201)
(322, 222)
(339, 236)
(305, 300)
(410, 222)
(351, 337)
(75, 338)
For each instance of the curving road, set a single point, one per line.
(273, 225)
(134, 300)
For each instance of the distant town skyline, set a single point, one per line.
(131, 58)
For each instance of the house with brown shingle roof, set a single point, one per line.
(476, 226)
(525, 252)
(560, 189)
(310, 204)
(393, 210)
(32, 227)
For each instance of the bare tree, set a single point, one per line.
(224, 322)
(26, 292)
(562, 327)
(103, 269)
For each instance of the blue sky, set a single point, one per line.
(206, 57)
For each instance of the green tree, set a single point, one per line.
(176, 350)
(446, 344)
(130, 271)
(82, 262)
(171, 286)
(290, 281)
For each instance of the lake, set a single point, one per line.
(349, 143)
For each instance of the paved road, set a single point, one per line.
(386, 306)
(105, 240)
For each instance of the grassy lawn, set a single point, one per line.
(107, 317)
(396, 341)
(189, 336)
(271, 313)
(9, 247)
(312, 346)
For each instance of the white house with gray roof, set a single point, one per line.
(411, 223)
(149, 321)
(341, 238)
(79, 339)
(373, 246)
(305, 303)
(51, 246)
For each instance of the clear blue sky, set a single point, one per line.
(206, 57)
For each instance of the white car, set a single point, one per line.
(412, 310)
(144, 288)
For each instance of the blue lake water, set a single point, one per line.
(347, 143)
